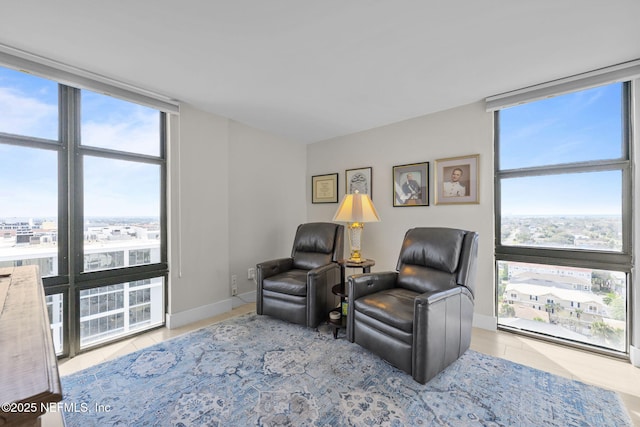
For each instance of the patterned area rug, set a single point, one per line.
(255, 370)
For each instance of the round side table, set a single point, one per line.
(341, 291)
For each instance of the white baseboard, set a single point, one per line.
(183, 318)
(634, 356)
(481, 321)
(242, 299)
(177, 320)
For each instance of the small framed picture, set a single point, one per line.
(324, 188)
(360, 180)
(411, 185)
(457, 180)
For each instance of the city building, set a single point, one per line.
(105, 312)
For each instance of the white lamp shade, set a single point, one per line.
(356, 207)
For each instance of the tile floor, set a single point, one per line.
(601, 371)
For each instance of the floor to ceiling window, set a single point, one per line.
(83, 198)
(563, 217)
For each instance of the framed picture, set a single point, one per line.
(457, 180)
(324, 188)
(359, 179)
(411, 185)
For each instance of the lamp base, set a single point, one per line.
(356, 258)
(355, 237)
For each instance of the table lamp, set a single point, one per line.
(356, 209)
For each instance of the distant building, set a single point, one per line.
(106, 311)
(538, 297)
(548, 275)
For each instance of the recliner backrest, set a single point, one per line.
(317, 244)
(429, 258)
(468, 262)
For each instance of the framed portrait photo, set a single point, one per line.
(360, 180)
(411, 185)
(457, 180)
(324, 188)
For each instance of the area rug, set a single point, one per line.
(257, 371)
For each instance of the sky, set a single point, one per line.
(581, 126)
(576, 127)
(28, 176)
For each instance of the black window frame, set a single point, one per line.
(620, 261)
(71, 279)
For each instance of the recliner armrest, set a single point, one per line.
(432, 297)
(323, 269)
(267, 269)
(321, 277)
(271, 268)
(438, 328)
(318, 280)
(364, 284)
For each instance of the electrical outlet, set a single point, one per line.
(251, 273)
(234, 285)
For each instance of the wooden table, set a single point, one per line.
(29, 379)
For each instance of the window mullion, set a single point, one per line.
(592, 166)
(119, 155)
(577, 258)
(70, 137)
(29, 141)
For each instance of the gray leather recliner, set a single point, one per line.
(297, 289)
(419, 317)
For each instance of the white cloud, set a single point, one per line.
(112, 188)
(136, 130)
(22, 115)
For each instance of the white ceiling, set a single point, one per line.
(313, 70)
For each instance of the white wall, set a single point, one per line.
(461, 131)
(198, 215)
(267, 191)
(236, 195)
